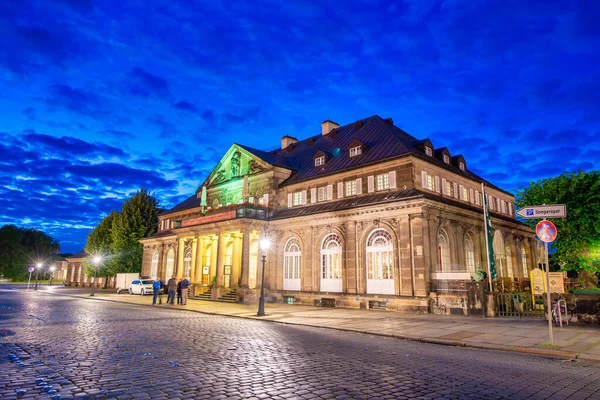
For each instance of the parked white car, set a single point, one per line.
(141, 286)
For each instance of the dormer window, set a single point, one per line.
(461, 165)
(446, 159)
(428, 151)
(319, 161)
(355, 151)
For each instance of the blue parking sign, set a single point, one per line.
(529, 211)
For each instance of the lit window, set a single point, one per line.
(448, 189)
(350, 188)
(465, 194)
(524, 261)
(383, 182)
(428, 151)
(319, 161)
(430, 183)
(355, 151)
(446, 159)
(443, 251)
(461, 166)
(470, 254)
(297, 198)
(322, 193)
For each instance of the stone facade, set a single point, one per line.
(363, 215)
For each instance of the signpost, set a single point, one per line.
(30, 269)
(546, 232)
(545, 211)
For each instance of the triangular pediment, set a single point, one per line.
(235, 164)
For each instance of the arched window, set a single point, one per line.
(187, 263)
(154, 265)
(443, 251)
(227, 264)
(170, 265)
(470, 254)
(509, 267)
(524, 261)
(292, 257)
(380, 262)
(331, 264)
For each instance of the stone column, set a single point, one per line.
(236, 262)
(219, 264)
(198, 264)
(349, 266)
(179, 264)
(245, 259)
(406, 257)
(194, 259)
(420, 254)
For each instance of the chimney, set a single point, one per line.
(287, 140)
(327, 126)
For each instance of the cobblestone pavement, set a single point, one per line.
(54, 346)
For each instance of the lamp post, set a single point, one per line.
(96, 262)
(264, 245)
(52, 268)
(37, 275)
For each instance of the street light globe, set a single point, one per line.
(96, 260)
(265, 243)
(52, 268)
(39, 265)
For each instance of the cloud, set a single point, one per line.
(143, 83)
(186, 106)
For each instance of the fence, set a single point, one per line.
(522, 305)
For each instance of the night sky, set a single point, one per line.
(100, 98)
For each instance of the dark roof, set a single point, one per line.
(159, 235)
(190, 202)
(270, 157)
(81, 254)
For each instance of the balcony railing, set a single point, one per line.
(226, 213)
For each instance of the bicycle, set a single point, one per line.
(560, 313)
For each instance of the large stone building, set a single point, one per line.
(362, 215)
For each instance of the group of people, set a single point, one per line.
(173, 288)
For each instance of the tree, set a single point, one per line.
(99, 242)
(577, 245)
(138, 219)
(23, 247)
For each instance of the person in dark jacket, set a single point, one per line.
(179, 292)
(184, 285)
(156, 286)
(172, 287)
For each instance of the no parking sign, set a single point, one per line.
(30, 269)
(546, 231)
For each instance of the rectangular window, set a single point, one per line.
(322, 193)
(319, 161)
(350, 188)
(446, 159)
(461, 166)
(383, 181)
(297, 198)
(465, 194)
(355, 151)
(428, 151)
(448, 189)
(431, 182)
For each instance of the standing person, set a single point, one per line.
(172, 287)
(156, 291)
(185, 285)
(179, 292)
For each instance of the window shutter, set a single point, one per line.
(392, 179)
(424, 179)
(340, 190)
(266, 199)
(491, 202)
(371, 183)
(503, 206)
(510, 209)
(313, 195)
(289, 200)
(471, 195)
(437, 183)
(303, 197)
(477, 198)
(460, 192)
(329, 192)
(455, 185)
(359, 186)
(444, 192)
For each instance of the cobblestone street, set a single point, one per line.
(62, 347)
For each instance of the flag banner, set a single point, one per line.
(203, 197)
(490, 234)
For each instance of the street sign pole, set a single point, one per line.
(548, 296)
(547, 232)
(29, 282)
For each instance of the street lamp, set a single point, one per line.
(52, 268)
(264, 246)
(37, 275)
(96, 262)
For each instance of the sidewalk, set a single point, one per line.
(524, 336)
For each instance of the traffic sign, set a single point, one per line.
(30, 269)
(546, 231)
(549, 211)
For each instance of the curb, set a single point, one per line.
(443, 342)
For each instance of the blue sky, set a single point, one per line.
(100, 98)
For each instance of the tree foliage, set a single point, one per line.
(577, 245)
(138, 219)
(24, 247)
(99, 243)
